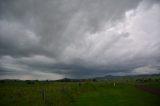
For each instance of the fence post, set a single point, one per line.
(43, 96)
(114, 84)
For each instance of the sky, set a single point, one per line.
(54, 39)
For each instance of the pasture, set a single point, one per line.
(86, 93)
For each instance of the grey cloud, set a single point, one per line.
(78, 38)
(49, 20)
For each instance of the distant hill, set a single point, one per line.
(106, 77)
(110, 77)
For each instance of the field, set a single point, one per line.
(86, 93)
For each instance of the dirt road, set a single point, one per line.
(146, 88)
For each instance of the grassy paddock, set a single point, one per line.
(99, 93)
(120, 95)
(41, 93)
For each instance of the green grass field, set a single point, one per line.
(120, 95)
(101, 93)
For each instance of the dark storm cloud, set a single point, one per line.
(48, 22)
(78, 38)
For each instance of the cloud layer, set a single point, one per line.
(78, 39)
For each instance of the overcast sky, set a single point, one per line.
(53, 39)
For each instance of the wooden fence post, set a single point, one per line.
(43, 96)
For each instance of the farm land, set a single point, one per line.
(116, 92)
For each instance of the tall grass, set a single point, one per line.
(20, 93)
(41, 93)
